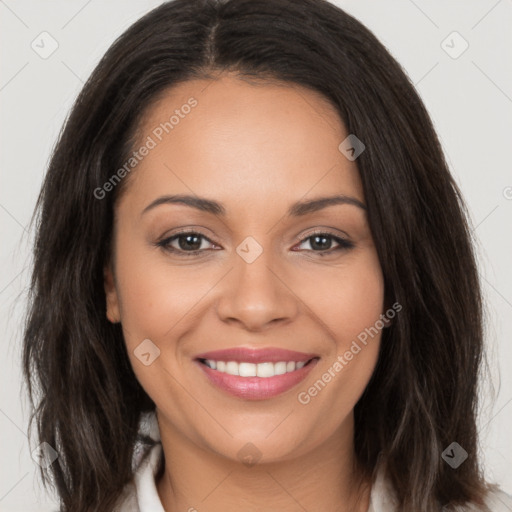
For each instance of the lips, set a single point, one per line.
(256, 387)
(262, 355)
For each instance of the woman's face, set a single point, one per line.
(262, 279)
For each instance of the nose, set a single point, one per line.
(257, 294)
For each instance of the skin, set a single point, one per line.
(257, 149)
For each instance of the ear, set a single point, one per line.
(113, 313)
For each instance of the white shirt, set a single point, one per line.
(141, 495)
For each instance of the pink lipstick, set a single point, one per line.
(255, 374)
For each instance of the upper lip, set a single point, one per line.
(261, 355)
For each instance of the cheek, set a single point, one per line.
(154, 296)
(360, 301)
(347, 299)
(351, 312)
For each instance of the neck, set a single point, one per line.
(326, 478)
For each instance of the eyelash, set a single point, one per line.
(165, 243)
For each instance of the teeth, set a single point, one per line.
(254, 370)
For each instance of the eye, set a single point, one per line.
(186, 242)
(321, 242)
(190, 243)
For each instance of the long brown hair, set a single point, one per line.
(423, 394)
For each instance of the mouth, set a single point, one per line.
(255, 381)
(264, 370)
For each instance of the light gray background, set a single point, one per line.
(469, 99)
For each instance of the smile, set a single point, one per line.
(264, 370)
(251, 381)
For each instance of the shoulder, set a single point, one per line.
(498, 500)
(383, 498)
(140, 494)
(127, 501)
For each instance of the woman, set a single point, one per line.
(252, 270)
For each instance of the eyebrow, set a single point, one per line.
(297, 209)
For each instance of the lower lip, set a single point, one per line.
(256, 388)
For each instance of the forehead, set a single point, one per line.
(231, 139)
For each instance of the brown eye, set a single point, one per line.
(187, 242)
(322, 242)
